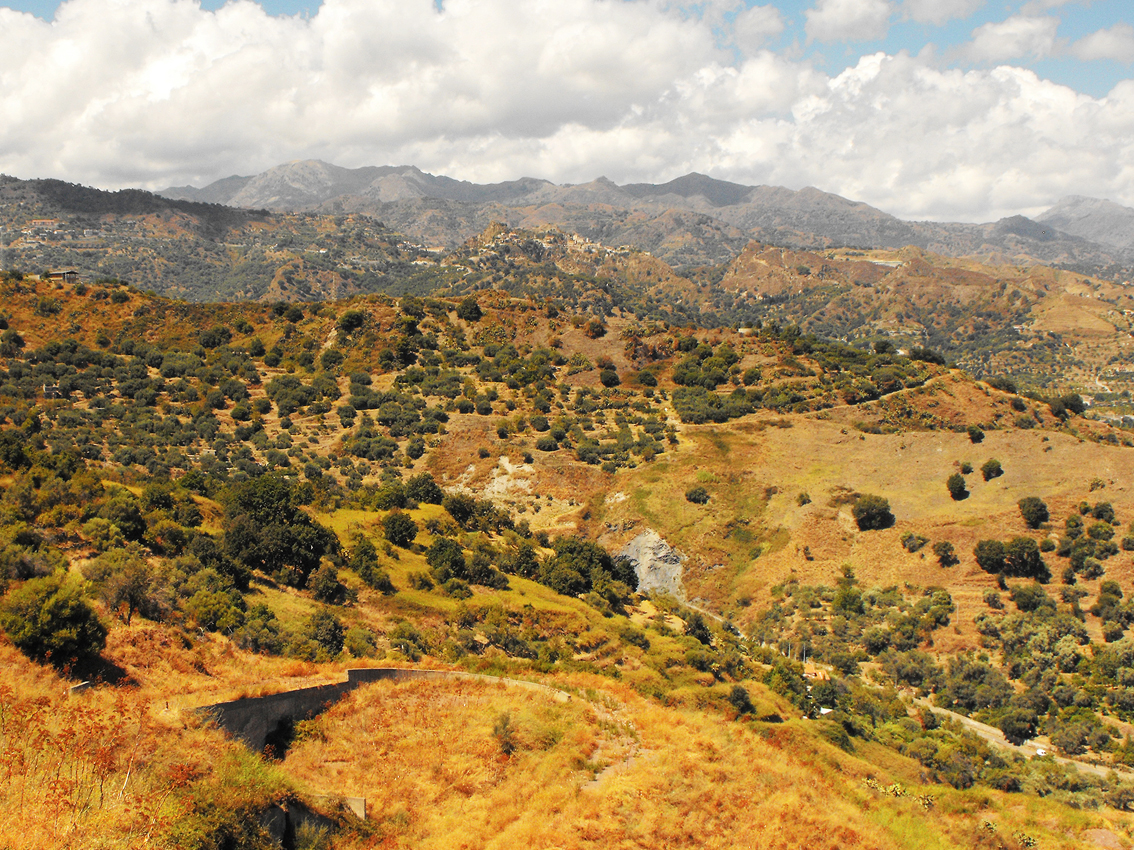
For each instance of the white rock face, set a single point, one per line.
(656, 563)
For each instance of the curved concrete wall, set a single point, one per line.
(253, 719)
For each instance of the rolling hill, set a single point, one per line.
(235, 500)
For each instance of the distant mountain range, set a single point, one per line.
(1041, 325)
(693, 220)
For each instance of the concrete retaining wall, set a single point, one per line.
(253, 719)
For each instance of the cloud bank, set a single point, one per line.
(158, 92)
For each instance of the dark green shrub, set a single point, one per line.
(609, 378)
(697, 495)
(48, 619)
(351, 320)
(990, 556)
(326, 629)
(1034, 511)
(456, 588)
(740, 700)
(1018, 725)
(946, 554)
(447, 559)
(1103, 511)
(399, 529)
(423, 488)
(991, 469)
(913, 542)
(872, 513)
(469, 310)
(1022, 558)
(1100, 531)
(325, 585)
(955, 484)
(1030, 597)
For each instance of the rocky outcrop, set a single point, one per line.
(656, 563)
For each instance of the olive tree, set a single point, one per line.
(872, 512)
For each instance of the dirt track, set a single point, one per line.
(1029, 749)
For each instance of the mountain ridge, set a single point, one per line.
(441, 210)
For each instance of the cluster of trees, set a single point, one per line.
(846, 625)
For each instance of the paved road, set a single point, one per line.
(1029, 749)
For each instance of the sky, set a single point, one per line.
(961, 110)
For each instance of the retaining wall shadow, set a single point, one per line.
(254, 719)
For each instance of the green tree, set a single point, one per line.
(447, 560)
(326, 629)
(399, 529)
(695, 627)
(1030, 597)
(469, 310)
(1022, 558)
(1034, 511)
(48, 619)
(265, 528)
(956, 486)
(872, 513)
(946, 554)
(351, 321)
(848, 600)
(461, 507)
(423, 488)
(325, 585)
(740, 700)
(126, 581)
(991, 469)
(1018, 725)
(990, 556)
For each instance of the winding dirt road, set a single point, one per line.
(1029, 749)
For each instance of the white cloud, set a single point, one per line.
(754, 27)
(848, 20)
(940, 11)
(1035, 7)
(1115, 43)
(158, 92)
(1018, 37)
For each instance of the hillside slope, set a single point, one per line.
(208, 502)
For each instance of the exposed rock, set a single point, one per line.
(656, 563)
(1103, 838)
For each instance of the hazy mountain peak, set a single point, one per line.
(1096, 219)
(719, 193)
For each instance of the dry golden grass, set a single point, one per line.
(755, 474)
(105, 768)
(425, 757)
(122, 767)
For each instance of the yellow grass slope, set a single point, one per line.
(781, 491)
(612, 770)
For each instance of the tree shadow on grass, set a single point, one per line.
(98, 671)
